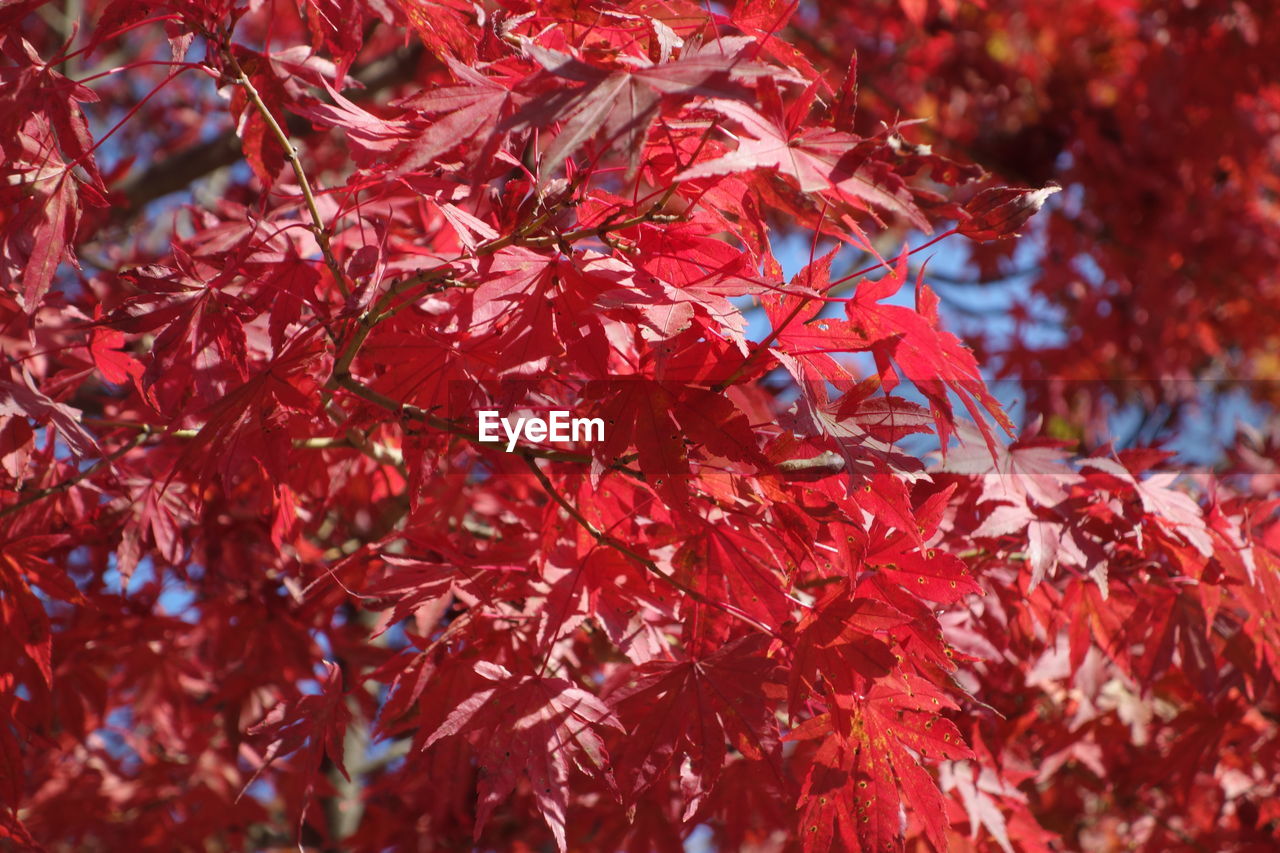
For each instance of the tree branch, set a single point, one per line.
(621, 547)
(79, 477)
(179, 170)
(318, 228)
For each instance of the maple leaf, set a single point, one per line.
(663, 419)
(35, 243)
(116, 366)
(22, 565)
(886, 417)
(934, 360)
(370, 136)
(858, 439)
(620, 105)
(1261, 599)
(25, 400)
(442, 26)
(16, 440)
(409, 584)
(250, 422)
(155, 513)
(535, 728)
(1044, 539)
(1027, 479)
(1031, 471)
(201, 327)
(555, 207)
(1171, 509)
(837, 649)
(976, 786)
(632, 419)
(1174, 510)
(724, 691)
(43, 122)
(819, 160)
(861, 773)
(466, 110)
(262, 149)
(737, 560)
(931, 575)
(283, 293)
(998, 212)
(421, 366)
(605, 587)
(314, 724)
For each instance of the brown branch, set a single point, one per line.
(179, 170)
(435, 280)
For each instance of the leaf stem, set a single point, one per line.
(764, 345)
(884, 263)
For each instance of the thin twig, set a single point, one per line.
(291, 152)
(79, 476)
(354, 440)
(626, 550)
(763, 347)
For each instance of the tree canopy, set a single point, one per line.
(858, 559)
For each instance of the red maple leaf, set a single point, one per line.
(532, 728)
(862, 773)
(314, 723)
(699, 707)
(819, 160)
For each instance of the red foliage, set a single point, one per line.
(268, 583)
(1159, 120)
